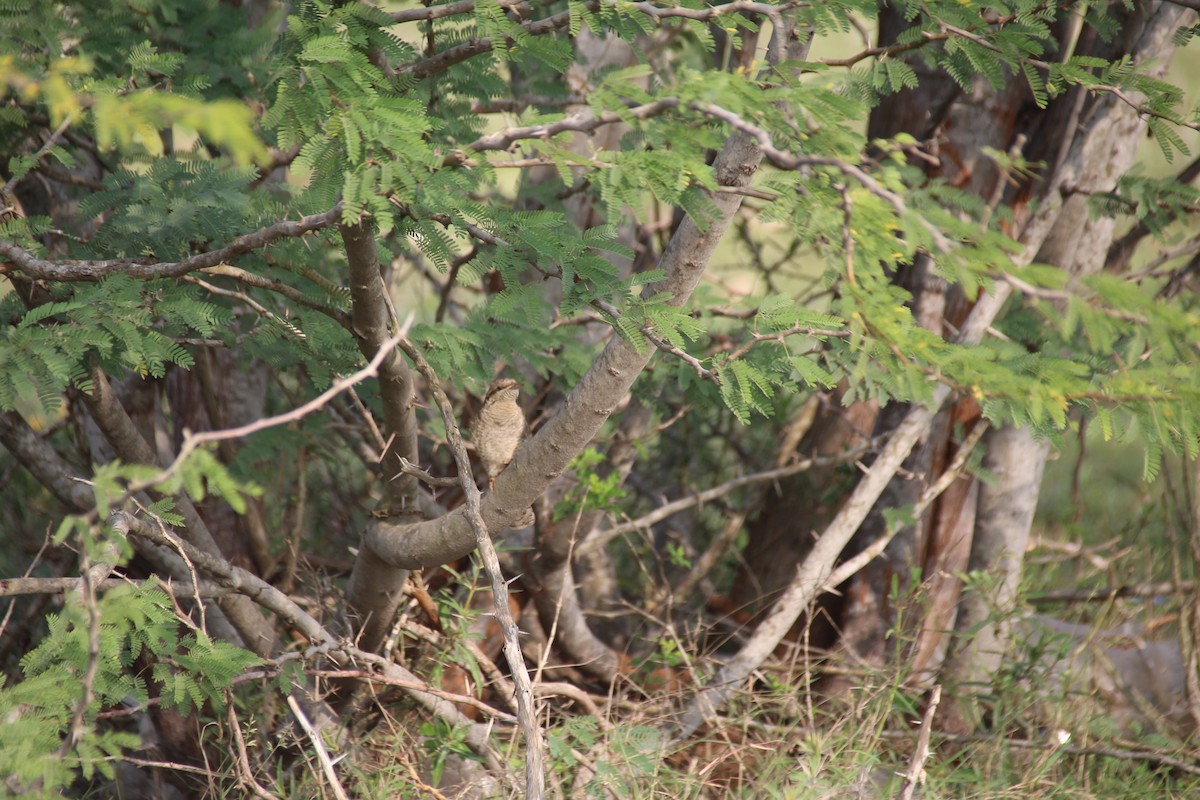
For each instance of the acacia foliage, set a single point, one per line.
(143, 134)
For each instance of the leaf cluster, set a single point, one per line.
(136, 623)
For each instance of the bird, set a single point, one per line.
(499, 428)
(497, 433)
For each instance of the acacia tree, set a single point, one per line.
(262, 261)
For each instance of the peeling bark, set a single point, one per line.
(1097, 143)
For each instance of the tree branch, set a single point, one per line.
(118, 429)
(375, 589)
(76, 270)
(577, 123)
(44, 462)
(279, 287)
(602, 538)
(372, 321)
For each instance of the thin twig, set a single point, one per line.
(847, 233)
(412, 469)
(849, 567)
(1189, 766)
(10, 587)
(318, 746)
(193, 440)
(248, 300)
(323, 642)
(245, 772)
(789, 161)
(916, 766)
(526, 715)
(414, 686)
(598, 540)
(1137, 591)
(45, 148)
(704, 565)
(369, 419)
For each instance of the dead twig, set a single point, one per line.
(319, 747)
(526, 716)
(916, 765)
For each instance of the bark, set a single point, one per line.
(68, 270)
(1108, 118)
(1002, 524)
(376, 587)
(1099, 153)
(216, 394)
(44, 463)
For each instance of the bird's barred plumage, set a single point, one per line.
(499, 428)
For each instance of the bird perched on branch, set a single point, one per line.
(499, 428)
(498, 431)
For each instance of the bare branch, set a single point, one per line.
(51, 140)
(582, 123)
(44, 462)
(455, 55)
(526, 714)
(916, 765)
(461, 52)
(74, 270)
(279, 287)
(814, 571)
(319, 747)
(434, 12)
(788, 161)
(602, 538)
(852, 565)
(193, 440)
(417, 472)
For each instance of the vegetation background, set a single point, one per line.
(857, 344)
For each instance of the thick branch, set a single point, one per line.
(372, 320)
(44, 462)
(375, 587)
(72, 270)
